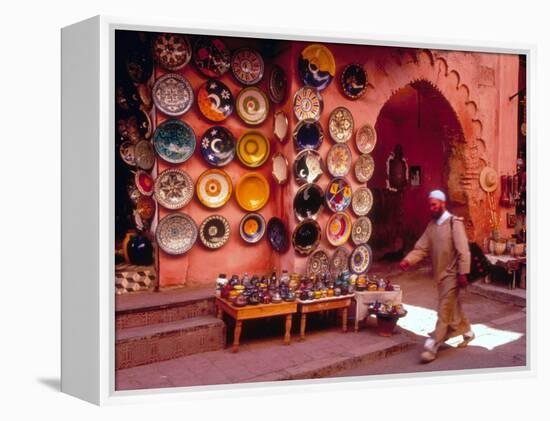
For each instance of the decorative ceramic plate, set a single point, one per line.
(176, 233)
(338, 228)
(279, 167)
(339, 160)
(277, 235)
(172, 51)
(338, 194)
(307, 104)
(145, 155)
(253, 149)
(364, 168)
(252, 106)
(317, 264)
(127, 153)
(252, 191)
(280, 126)
(340, 124)
(211, 57)
(174, 141)
(217, 146)
(277, 84)
(252, 227)
(308, 166)
(215, 100)
(214, 231)
(316, 66)
(173, 94)
(360, 260)
(308, 202)
(306, 236)
(361, 230)
(362, 200)
(365, 139)
(139, 65)
(173, 188)
(308, 134)
(354, 81)
(339, 262)
(247, 66)
(214, 188)
(146, 207)
(144, 182)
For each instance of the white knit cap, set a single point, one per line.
(438, 194)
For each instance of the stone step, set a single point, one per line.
(147, 309)
(164, 341)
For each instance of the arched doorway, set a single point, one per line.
(419, 119)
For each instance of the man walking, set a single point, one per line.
(445, 241)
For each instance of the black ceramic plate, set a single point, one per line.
(211, 57)
(308, 202)
(214, 231)
(353, 81)
(277, 235)
(308, 166)
(306, 236)
(218, 146)
(308, 134)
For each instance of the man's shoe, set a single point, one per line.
(427, 356)
(467, 338)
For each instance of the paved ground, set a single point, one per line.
(327, 352)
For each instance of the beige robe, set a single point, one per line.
(450, 256)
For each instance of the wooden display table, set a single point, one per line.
(512, 264)
(364, 298)
(332, 303)
(258, 311)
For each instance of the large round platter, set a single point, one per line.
(308, 202)
(173, 188)
(277, 235)
(172, 51)
(253, 149)
(308, 166)
(307, 104)
(362, 201)
(145, 155)
(277, 84)
(215, 100)
(144, 182)
(365, 139)
(146, 207)
(318, 264)
(174, 141)
(338, 228)
(211, 57)
(364, 168)
(280, 126)
(217, 146)
(338, 194)
(247, 66)
(339, 261)
(360, 259)
(361, 230)
(279, 168)
(339, 160)
(306, 236)
(173, 94)
(176, 233)
(214, 188)
(139, 65)
(252, 227)
(128, 153)
(252, 191)
(340, 124)
(354, 81)
(252, 106)
(316, 66)
(214, 231)
(308, 134)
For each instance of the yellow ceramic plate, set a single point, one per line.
(214, 188)
(252, 191)
(253, 149)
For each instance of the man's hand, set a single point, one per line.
(404, 265)
(462, 281)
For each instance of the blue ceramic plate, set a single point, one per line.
(174, 141)
(338, 194)
(354, 81)
(308, 134)
(316, 66)
(218, 146)
(277, 235)
(215, 100)
(252, 227)
(360, 260)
